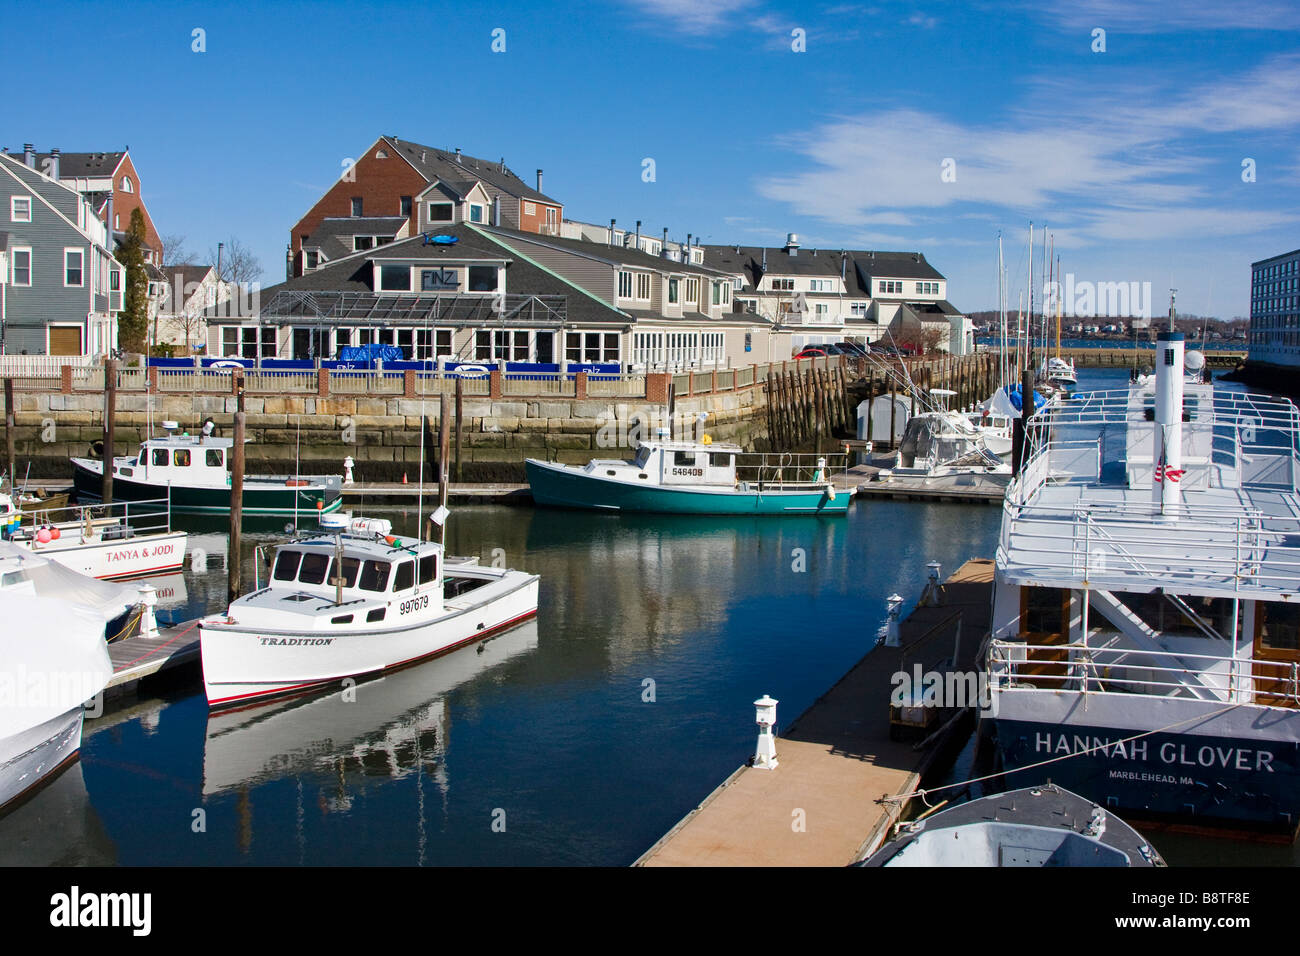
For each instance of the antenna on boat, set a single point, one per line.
(1172, 294)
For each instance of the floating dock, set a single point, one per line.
(138, 657)
(826, 803)
(865, 482)
(409, 492)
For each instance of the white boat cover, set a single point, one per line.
(52, 658)
(52, 580)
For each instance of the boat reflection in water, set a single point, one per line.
(390, 727)
(56, 827)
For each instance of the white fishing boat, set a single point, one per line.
(943, 444)
(117, 541)
(52, 661)
(1035, 826)
(1060, 372)
(354, 600)
(1146, 635)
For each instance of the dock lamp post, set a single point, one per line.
(765, 716)
(895, 605)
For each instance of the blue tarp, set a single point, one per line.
(370, 353)
(1017, 399)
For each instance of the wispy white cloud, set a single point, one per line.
(1121, 164)
(1186, 15)
(693, 16)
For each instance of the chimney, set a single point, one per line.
(792, 245)
(539, 180)
(29, 155)
(54, 164)
(423, 153)
(638, 234)
(458, 155)
(663, 251)
(502, 167)
(844, 265)
(611, 232)
(765, 260)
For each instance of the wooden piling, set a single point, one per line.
(460, 398)
(10, 428)
(444, 466)
(234, 582)
(110, 418)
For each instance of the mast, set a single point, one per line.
(1029, 321)
(1058, 306)
(1002, 317)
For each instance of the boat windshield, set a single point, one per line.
(642, 456)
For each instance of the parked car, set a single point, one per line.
(812, 352)
(851, 349)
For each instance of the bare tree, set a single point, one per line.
(238, 263)
(174, 251)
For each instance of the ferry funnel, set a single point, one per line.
(1167, 449)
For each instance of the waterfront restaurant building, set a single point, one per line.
(478, 293)
(1275, 311)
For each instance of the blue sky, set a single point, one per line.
(1132, 156)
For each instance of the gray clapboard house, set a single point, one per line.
(60, 287)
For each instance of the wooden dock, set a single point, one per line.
(138, 657)
(401, 492)
(837, 762)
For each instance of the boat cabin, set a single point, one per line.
(674, 463)
(188, 460)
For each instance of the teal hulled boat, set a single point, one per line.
(679, 477)
(192, 473)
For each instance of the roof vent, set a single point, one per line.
(792, 244)
(457, 154)
(423, 153)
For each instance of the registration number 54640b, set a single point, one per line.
(413, 605)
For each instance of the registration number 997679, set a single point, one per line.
(413, 605)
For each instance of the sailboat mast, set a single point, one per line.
(1002, 318)
(1058, 306)
(1029, 321)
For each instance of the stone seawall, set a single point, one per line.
(382, 435)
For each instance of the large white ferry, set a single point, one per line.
(1146, 622)
(355, 600)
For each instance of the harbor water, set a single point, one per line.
(577, 739)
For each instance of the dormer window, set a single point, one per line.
(482, 279)
(475, 212)
(440, 212)
(362, 242)
(395, 278)
(672, 292)
(311, 259)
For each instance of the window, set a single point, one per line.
(160, 456)
(20, 208)
(395, 278)
(22, 267)
(115, 280)
(685, 458)
(356, 205)
(314, 567)
(286, 565)
(482, 279)
(782, 285)
(440, 212)
(692, 291)
(404, 204)
(428, 568)
(672, 292)
(374, 576)
(350, 568)
(405, 576)
(822, 310)
(859, 309)
(475, 212)
(436, 280)
(214, 458)
(432, 343)
(182, 458)
(73, 261)
(625, 285)
(591, 346)
(643, 286)
(360, 243)
(719, 460)
(819, 285)
(530, 209)
(127, 185)
(311, 259)
(377, 614)
(241, 341)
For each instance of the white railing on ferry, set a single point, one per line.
(1097, 669)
